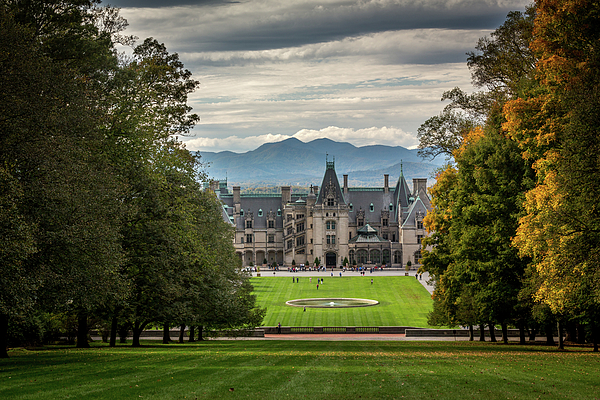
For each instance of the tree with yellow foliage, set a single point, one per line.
(557, 126)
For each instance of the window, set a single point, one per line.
(330, 225)
(330, 202)
(419, 224)
(300, 241)
(249, 224)
(397, 257)
(391, 207)
(242, 240)
(384, 222)
(249, 238)
(418, 257)
(279, 212)
(290, 231)
(371, 207)
(242, 212)
(299, 216)
(385, 236)
(289, 217)
(290, 244)
(419, 237)
(385, 259)
(300, 227)
(260, 214)
(271, 223)
(271, 238)
(361, 256)
(351, 257)
(360, 222)
(351, 207)
(393, 237)
(330, 239)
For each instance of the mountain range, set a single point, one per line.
(296, 163)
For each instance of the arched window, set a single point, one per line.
(371, 207)
(385, 259)
(375, 256)
(242, 212)
(361, 256)
(260, 214)
(391, 207)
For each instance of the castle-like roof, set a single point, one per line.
(330, 186)
(367, 234)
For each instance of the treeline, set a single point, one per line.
(102, 218)
(516, 222)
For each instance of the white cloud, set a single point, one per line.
(390, 136)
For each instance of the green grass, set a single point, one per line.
(403, 301)
(303, 370)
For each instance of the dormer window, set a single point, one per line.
(330, 202)
(279, 212)
(351, 207)
(242, 212)
(371, 207)
(391, 207)
(260, 213)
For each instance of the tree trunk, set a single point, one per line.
(482, 333)
(559, 328)
(137, 331)
(595, 336)
(192, 334)
(504, 332)
(522, 333)
(580, 334)
(200, 329)
(549, 335)
(532, 333)
(166, 333)
(470, 333)
(3, 335)
(113, 331)
(492, 330)
(82, 330)
(181, 333)
(571, 331)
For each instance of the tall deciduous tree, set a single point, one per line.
(557, 127)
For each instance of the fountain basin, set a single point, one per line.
(328, 302)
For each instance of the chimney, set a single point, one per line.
(345, 183)
(386, 183)
(236, 195)
(418, 185)
(286, 195)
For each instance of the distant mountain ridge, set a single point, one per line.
(293, 162)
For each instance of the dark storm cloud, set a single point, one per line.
(163, 3)
(299, 23)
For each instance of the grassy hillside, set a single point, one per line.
(403, 301)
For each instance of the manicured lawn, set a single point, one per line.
(403, 301)
(303, 370)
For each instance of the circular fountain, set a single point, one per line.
(341, 302)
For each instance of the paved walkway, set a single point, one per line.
(336, 273)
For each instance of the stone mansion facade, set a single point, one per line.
(368, 226)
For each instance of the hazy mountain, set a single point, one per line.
(293, 162)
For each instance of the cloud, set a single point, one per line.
(391, 136)
(272, 24)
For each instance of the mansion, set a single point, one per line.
(368, 226)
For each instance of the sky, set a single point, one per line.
(364, 72)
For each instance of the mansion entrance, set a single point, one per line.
(330, 259)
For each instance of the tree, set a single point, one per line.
(556, 125)
(70, 194)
